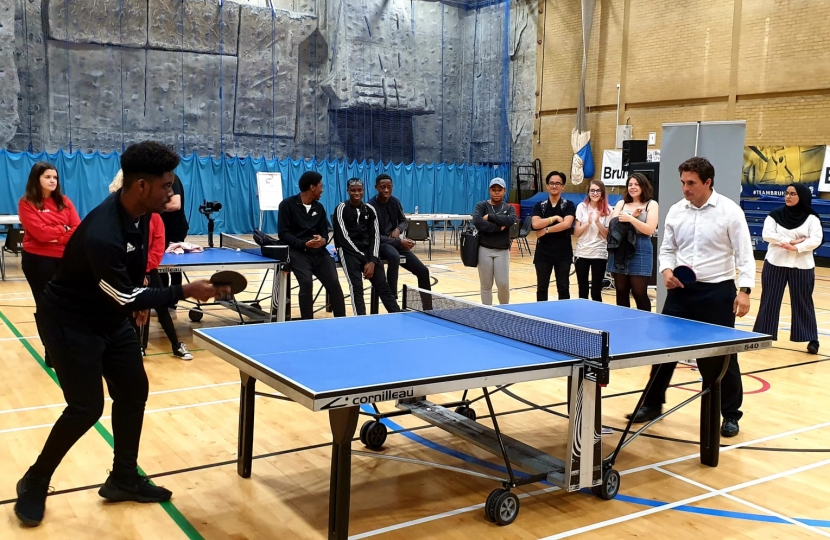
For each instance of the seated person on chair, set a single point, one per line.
(302, 225)
(357, 238)
(393, 246)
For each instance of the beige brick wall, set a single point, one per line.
(679, 66)
(787, 121)
(785, 46)
(678, 49)
(562, 66)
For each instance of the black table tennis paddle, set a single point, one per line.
(230, 278)
(685, 275)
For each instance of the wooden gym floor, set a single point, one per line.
(773, 480)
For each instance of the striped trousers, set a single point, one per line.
(801, 283)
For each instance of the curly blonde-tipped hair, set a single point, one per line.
(116, 183)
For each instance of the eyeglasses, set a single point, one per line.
(595, 191)
(556, 184)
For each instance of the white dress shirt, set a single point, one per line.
(712, 240)
(776, 235)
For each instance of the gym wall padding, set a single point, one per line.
(446, 188)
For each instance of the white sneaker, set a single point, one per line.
(182, 352)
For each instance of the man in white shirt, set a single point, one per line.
(708, 233)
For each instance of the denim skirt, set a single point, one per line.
(641, 264)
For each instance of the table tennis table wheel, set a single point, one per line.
(373, 434)
(195, 315)
(466, 411)
(609, 487)
(501, 507)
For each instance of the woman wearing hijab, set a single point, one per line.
(793, 232)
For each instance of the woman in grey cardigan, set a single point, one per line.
(493, 219)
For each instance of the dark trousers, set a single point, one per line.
(597, 269)
(562, 272)
(318, 263)
(165, 320)
(413, 264)
(172, 278)
(801, 282)
(38, 270)
(81, 357)
(710, 303)
(354, 275)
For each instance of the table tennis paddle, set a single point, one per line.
(685, 275)
(230, 278)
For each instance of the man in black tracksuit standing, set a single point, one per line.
(86, 328)
(357, 238)
(302, 225)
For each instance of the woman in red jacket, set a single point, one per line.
(49, 219)
(155, 252)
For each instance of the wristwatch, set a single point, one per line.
(746, 290)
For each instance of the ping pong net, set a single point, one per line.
(584, 343)
(229, 241)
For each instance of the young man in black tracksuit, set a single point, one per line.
(302, 225)
(392, 224)
(357, 238)
(86, 328)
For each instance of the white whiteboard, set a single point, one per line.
(269, 188)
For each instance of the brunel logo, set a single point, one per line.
(364, 399)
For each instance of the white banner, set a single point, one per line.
(824, 175)
(612, 173)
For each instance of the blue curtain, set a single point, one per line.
(443, 188)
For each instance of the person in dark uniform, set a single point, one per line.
(393, 244)
(85, 313)
(357, 238)
(552, 220)
(303, 226)
(175, 230)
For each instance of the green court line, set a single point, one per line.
(178, 518)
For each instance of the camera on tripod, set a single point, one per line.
(206, 209)
(209, 207)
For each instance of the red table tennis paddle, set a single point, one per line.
(230, 278)
(685, 275)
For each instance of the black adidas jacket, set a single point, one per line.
(356, 231)
(100, 279)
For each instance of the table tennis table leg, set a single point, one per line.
(343, 424)
(245, 449)
(710, 419)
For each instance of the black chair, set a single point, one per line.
(418, 231)
(13, 244)
(522, 237)
(514, 234)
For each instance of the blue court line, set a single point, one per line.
(620, 497)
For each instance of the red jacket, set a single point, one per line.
(45, 230)
(157, 244)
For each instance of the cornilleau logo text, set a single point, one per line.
(365, 399)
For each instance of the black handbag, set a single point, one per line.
(469, 246)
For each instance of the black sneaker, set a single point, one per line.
(812, 347)
(645, 414)
(729, 428)
(138, 489)
(31, 499)
(182, 352)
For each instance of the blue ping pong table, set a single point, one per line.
(339, 365)
(228, 257)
